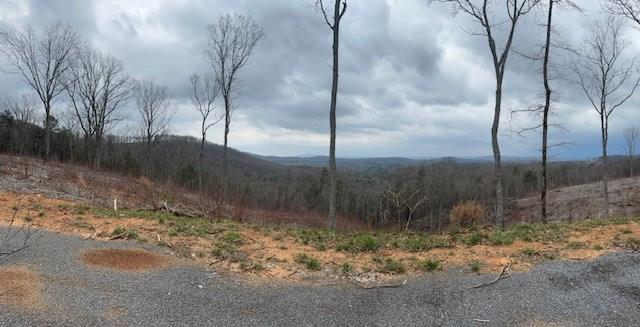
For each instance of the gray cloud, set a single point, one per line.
(413, 81)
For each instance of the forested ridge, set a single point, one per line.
(364, 193)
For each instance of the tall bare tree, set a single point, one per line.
(625, 8)
(230, 44)
(339, 9)
(97, 87)
(631, 135)
(546, 108)
(204, 92)
(482, 12)
(152, 104)
(606, 78)
(42, 60)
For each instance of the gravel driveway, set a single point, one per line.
(605, 292)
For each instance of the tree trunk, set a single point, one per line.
(545, 117)
(47, 130)
(201, 168)
(332, 120)
(97, 149)
(496, 154)
(605, 187)
(227, 122)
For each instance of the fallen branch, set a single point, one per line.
(176, 212)
(369, 287)
(117, 237)
(482, 321)
(505, 273)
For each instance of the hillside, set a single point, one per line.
(581, 202)
(78, 201)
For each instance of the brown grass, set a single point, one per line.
(20, 288)
(274, 248)
(127, 260)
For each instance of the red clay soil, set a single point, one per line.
(127, 260)
(20, 288)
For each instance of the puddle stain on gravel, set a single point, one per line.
(126, 260)
(20, 288)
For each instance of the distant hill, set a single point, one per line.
(381, 162)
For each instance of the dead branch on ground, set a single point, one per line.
(505, 273)
(369, 287)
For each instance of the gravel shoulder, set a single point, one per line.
(603, 292)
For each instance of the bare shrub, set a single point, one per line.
(468, 213)
(15, 236)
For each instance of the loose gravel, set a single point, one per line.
(603, 292)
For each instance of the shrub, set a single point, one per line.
(254, 266)
(392, 266)
(500, 237)
(473, 239)
(415, 244)
(429, 265)
(468, 213)
(308, 261)
(346, 268)
(225, 251)
(313, 238)
(474, 266)
(576, 245)
(129, 234)
(232, 238)
(360, 243)
(632, 243)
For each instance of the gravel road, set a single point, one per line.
(604, 292)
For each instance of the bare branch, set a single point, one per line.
(152, 103)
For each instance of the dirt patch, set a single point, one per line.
(114, 313)
(20, 288)
(127, 260)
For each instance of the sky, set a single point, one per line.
(415, 79)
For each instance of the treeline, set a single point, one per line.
(379, 197)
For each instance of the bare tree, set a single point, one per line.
(204, 92)
(631, 140)
(547, 103)
(545, 112)
(41, 60)
(339, 9)
(625, 8)
(152, 104)
(23, 109)
(409, 201)
(481, 13)
(230, 44)
(606, 79)
(97, 87)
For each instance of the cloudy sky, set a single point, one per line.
(414, 79)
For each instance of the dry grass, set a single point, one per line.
(127, 260)
(233, 246)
